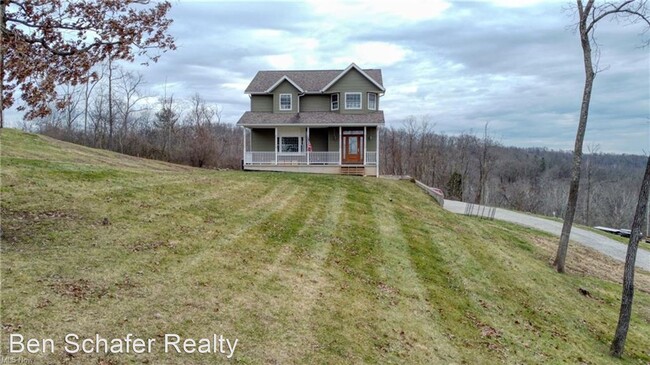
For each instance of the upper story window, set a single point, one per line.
(285, 102)
(335, 101)
(352, 100)
(372, 101)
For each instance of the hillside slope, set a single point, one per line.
(299, 268)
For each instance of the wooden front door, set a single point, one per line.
(352, 149)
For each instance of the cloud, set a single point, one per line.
(377, 54)
(380, 11)
(515, 64)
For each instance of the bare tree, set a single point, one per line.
(88, 91)
(166, 119)
(485, 163)
(45, 43)
(202, 145)
(618, 344)
(72, 97)
(593, 149)
(589, 15)
(128, 89)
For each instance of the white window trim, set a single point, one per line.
(375, 107)
(338, 102)
(290, 102)
(360, 100)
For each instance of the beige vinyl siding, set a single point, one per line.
(315, 103)
(262, 103)
(263, 139)
(371, 139)
(285, 88)
(354, 81)
(318, 138)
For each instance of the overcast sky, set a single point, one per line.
(514, 64)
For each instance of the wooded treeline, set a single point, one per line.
(116, 113)
(477, 168)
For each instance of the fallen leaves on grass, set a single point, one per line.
(150, 246)
(80, 289)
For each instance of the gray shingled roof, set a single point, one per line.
(310, 118)
(310, 81)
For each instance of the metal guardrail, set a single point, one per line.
(436, 193)
(481, 211)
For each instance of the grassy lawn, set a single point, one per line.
(301, 269)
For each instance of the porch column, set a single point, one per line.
(244, 135)
(308, 149)
(340, 144)
(377, 149)
(365, 155)
(275, 143)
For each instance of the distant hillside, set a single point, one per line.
(299, 268)
(479, 169)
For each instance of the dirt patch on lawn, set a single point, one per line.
(78, 289)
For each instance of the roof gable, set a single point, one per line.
(284, 78)
(362, 72)
(307, 81)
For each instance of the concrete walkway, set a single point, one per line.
(590, 239)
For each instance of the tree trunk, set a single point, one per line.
(618, 344)
(110, 104)
(86, 97)
(560, 258)
(588, 201)
(2, 61)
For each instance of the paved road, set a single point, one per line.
(596, 241)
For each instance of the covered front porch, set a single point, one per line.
(311, 149)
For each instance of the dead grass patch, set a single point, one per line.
(152, 245)
(586, 261)
(78, 289)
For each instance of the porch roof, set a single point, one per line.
(310, 119)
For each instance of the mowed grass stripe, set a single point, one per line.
(254, 294)
(291, 284)
(405, 303)
(434, 258)
(348, 310)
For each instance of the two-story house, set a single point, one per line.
(324, 121)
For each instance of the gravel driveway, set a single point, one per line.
(596, 241)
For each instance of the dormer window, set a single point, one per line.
(285, 102)
(352, 100)
(335, 101)
(372, 101)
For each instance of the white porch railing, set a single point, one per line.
(371, 158)
(295, 158)
(324, 158)
(259, 158)
(292, 158)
